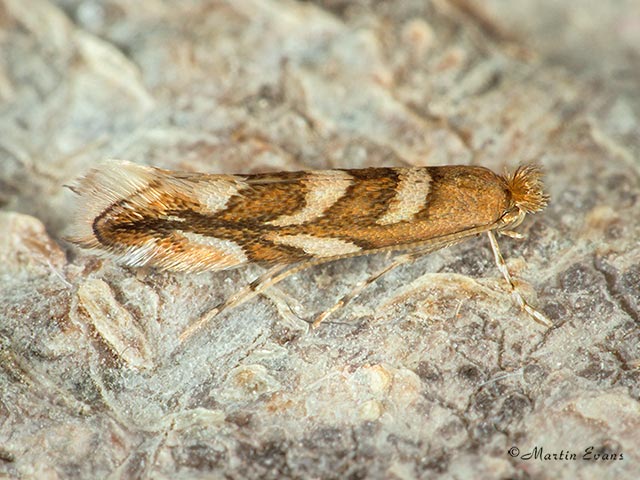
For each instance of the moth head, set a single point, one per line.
(527, 193)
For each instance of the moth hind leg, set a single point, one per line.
(238, 298)
(522, 303)
(269, 278)
(358, 289)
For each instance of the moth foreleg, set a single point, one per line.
(522, 303)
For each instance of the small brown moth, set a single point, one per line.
(192, 222)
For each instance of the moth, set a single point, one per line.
(192, 222)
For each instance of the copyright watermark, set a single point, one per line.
(588, 454)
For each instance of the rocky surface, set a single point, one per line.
(432, 371)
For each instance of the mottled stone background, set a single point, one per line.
(430, 372)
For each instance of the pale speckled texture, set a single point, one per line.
(431, 372)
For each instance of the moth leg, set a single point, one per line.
(257, 286)
(512, 234)
(357, 290)
(241, 296)
(522, 303)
